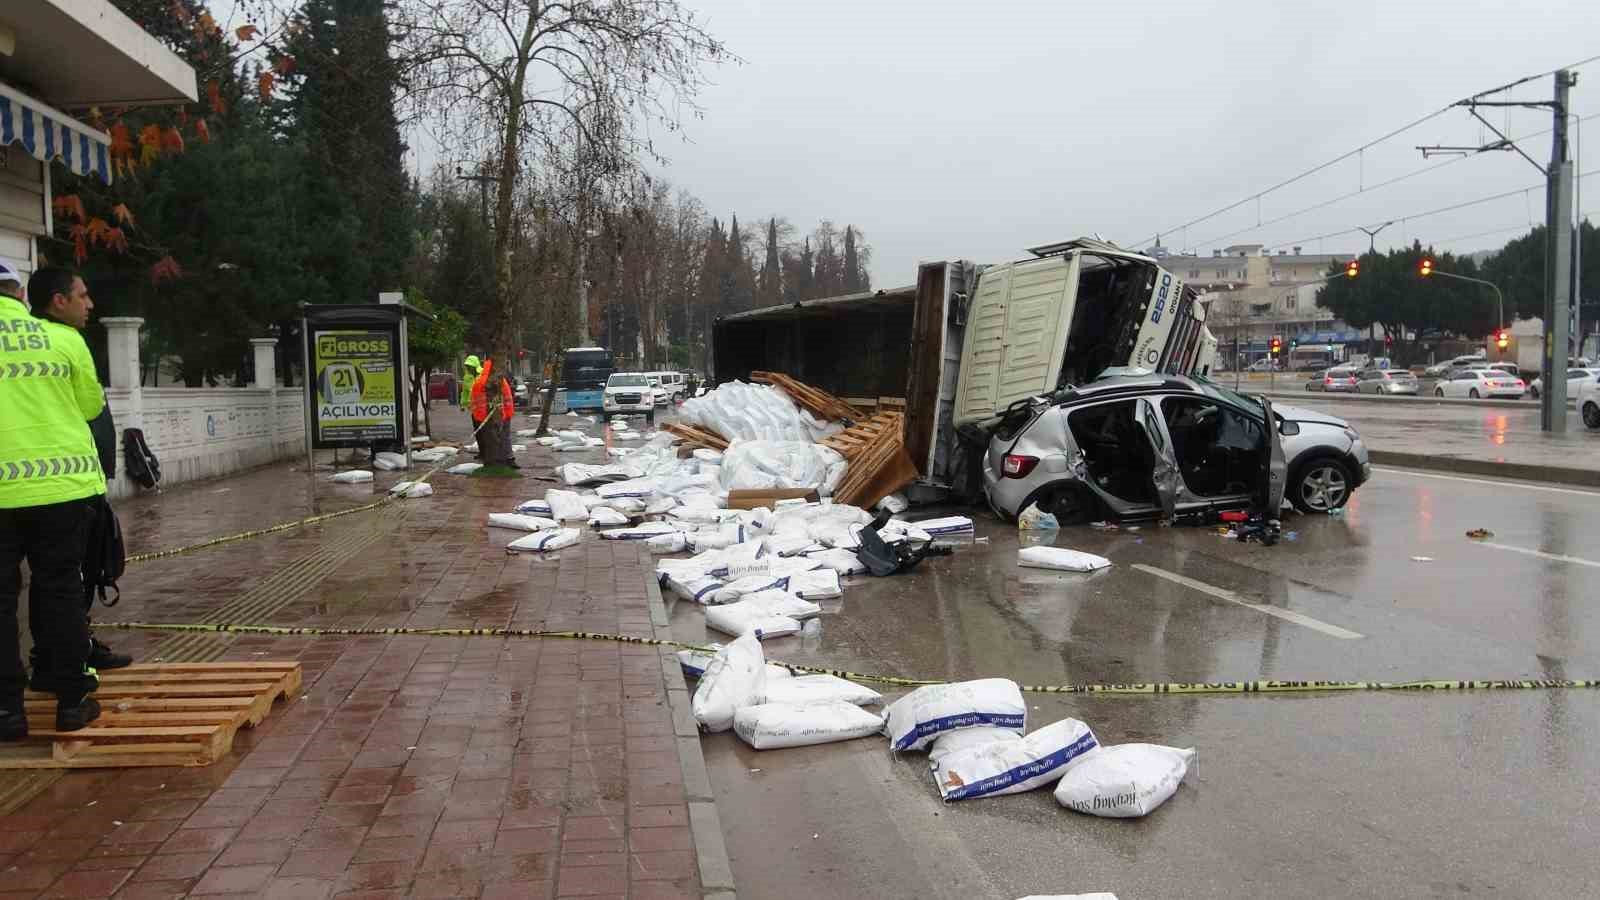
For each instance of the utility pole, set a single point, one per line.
(1372, 250)
(1558, 275)
(1558, 272)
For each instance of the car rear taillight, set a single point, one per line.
(1018, 466)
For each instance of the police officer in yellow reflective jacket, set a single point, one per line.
(50, 478)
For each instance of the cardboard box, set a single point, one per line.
(753, 499)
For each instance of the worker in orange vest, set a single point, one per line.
(505, 405)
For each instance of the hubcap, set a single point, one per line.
(1323, 488)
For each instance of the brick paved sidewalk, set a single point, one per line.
(412, 766)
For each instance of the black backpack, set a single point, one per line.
(104, 559)
(139, 461)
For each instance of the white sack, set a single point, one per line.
(565, 506)
(736, 677)
(1060, 559)
(771, 726)
(641, 532)
(605, 515)
(522, 522)
(694, 662)
(387, 460)
(707, 455)
(353, 476)
(676, 542)
(791, 545)
(948, 525)
(818, 584)
(534, 507)
(967, 738)
(783, 603)
(466, 468)
(768, 465)
(845, 562)
(548, 440)
(518, 448)
(1123, 781)
(804, 689)
(412, 489)
(929, 711)
(894, 503)
(639, 488)
(740, 619)
(546, 540)
(1011, 767)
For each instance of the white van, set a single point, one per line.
(675, 384)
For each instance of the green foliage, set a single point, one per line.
(435, 345)
(1519, 269)
(1390, 292)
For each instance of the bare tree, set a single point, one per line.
(514, 76)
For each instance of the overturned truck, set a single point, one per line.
(966, 341)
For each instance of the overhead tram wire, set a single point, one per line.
(1359, 150)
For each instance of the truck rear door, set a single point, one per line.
(1016, 335)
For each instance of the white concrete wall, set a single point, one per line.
(208, 432)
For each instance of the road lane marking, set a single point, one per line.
(1392, 470)
(1555, 557)
(1287, 615)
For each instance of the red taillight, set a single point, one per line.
(1327, 380)
(1018, 466)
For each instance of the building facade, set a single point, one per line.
(1256, 295)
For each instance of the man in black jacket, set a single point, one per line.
(50, 292)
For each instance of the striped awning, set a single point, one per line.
(49, 134)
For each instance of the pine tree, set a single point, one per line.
(828, 269)
(807, 286)
(744, 291)
(771, 272)
(852, 265)
(711, 270)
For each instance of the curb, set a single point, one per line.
(1338, 397)
(710, 850)
(1517, 471)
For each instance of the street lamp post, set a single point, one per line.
(1500, 299)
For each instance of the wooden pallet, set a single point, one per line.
(163, 714)
(859, 438)
(695, 436)
(818, 402)
(879, 463)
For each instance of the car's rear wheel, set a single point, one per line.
(1473, 393)
(1533, 392)
(1591, 415)
(1438, 392)
(1069, 503)
(1321, 485)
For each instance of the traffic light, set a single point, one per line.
(1352, 268)
(1388, 340)
(1277, 345)
(1502, 338)
(1425, 268)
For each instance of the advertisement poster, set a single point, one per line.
(356, 399)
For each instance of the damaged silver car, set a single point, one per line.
(1139, 446)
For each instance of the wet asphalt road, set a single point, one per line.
(1331, 795)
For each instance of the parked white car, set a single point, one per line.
(1438, 370)
(1478, 383)
(1588, 397)
(1575, 379)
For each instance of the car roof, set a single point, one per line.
(1130, 385)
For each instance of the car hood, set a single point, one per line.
(628, 390)
(1301, 414)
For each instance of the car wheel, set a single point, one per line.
(1438, 392)
(1069, 503)
(1473, 393)
(1591, 415)
(1321, 485)
(650, 417)
(1534, 393)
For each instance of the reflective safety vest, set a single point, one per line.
(48, 394)
(480, 395)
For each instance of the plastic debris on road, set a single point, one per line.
(1480, 534)
(1123, 781)
(1060, 559)
(1035, 519)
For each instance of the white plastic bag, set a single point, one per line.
(1123, 781)
(1061, 559)
(522, 522)
(736, 677)
(929, 711)
(1011, 767)
(541, 541)
(803, 689)
(1035, 519)
(967, 738)
(770, 726)
(894, 503)
(766, 465)
(466, 468)
(565, 506)
(353, 476)
(412, 489)
(605, 515)
(706, 455)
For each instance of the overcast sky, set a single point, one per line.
(974, 130)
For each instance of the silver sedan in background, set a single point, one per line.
(1339, 379)
(1386, 381)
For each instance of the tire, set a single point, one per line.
(1070, 503)
(1534, 392)
(1473, 393)
(1438, 392)
(1321, 484)
(1591, 415)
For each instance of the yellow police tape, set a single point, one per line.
(287, 526)
(1173, 687)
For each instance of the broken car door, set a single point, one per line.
(1164, 470)
(1275, 467)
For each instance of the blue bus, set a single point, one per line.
(584, 371)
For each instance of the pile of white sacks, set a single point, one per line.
(974, 732)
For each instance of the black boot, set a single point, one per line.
(78, 715)
(103, 657)
(45, 682)
(13, 725)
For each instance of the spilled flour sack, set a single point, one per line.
(735, 677)
(1124, 781)
(929, 711)
(770, 726)
(1011, 767)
